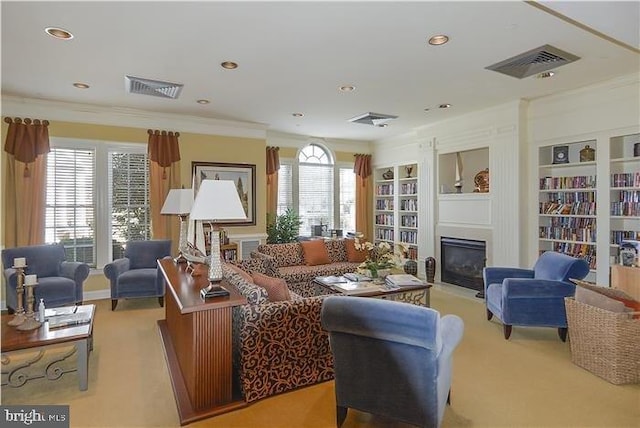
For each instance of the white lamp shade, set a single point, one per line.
(217, 200)
(179, 201)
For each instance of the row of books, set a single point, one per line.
(573, 222)
(582, 235)
(583, 251)
(574, 182)
(625, 209)
(577, 208)
(409, 220)
(384, 189)
(384, 204)
(409, 237)
(384, 219)
(618, 235)
(409, 188)
(384, 234)
(629, 179)
(629, 196)
(409, 205)
(570, 197)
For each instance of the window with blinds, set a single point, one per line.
(318, 190)
(70, 203)
(128, 199)
(97, 198)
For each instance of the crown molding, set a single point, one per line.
(126, 117)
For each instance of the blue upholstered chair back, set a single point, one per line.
(145, 254)
(390, 358)
(559, 267)
(42, 260)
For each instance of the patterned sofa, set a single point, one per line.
(278, 346)
(289, 263)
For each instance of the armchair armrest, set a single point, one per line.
(496, 275)
(451, 330)
(76, 271)
(10, 276)
(527, 288)
(115, 268)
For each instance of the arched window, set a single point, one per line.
(320, 190)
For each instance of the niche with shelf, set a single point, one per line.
(463, 167)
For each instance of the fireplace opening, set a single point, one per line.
(462, 261)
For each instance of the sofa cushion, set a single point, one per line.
(308, 273)
(315, 252)
(277, 289)
(337, 250)
(289, 254)
(354, 255)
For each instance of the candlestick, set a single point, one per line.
(19, 316)
(30, 279)
(19, 262)
(30, 323)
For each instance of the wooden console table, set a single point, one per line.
(197, 338)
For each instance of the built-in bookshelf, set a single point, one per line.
(624, 185)
(567, 200)
(396, 207)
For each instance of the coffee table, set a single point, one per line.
(414, 294)
(44, 339)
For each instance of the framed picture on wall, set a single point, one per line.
(244, 177)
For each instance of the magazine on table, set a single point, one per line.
(357, 277)
(403, 280)
(358, 287)
(69, 319)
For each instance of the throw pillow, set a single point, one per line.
(277, 289)
(354, 255)
(245, 275)
(315, 252)
(593, 298)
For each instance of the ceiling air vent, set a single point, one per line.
(533, 62)
(156, 88)
(375, 119)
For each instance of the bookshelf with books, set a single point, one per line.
(624, 189)
(567, 215)
(396, 208)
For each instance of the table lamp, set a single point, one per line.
(217, 200)
(179, 201)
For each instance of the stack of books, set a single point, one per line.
(68, 319)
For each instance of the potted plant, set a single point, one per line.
(283, 228)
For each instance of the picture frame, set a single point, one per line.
(244, 175)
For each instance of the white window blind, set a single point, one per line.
(128, 199)
(285, 187)
(315, 196)
(70, 203)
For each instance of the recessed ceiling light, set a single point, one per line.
(426, 109)
(438, 40)
(444, 105)
(229, 65)
(58, 33)
(81, 85)
(297, 114)
(203, 101)
(545, 75)
(382, 125)
(347, 88)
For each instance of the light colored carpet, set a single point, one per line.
(528, 381)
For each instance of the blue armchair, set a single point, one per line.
(59, 281)
(391, 359)
(533, 297)
(137, 273)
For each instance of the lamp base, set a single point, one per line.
(214, 290)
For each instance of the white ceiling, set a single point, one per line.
(293, 56)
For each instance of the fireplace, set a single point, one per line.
(462, 261)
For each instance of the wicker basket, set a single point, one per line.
(603, 342)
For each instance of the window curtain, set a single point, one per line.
(364, 196)
(273, 166)
(164, 174)
(27, 144)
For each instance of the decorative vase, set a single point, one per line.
(411, 267)
(587, 154)
(409, 170)
(430, 268)
(388, 175)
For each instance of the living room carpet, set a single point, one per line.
(528, 381)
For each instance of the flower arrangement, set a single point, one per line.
(380, 256)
